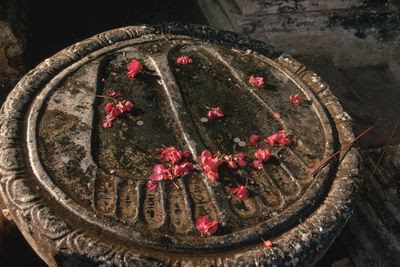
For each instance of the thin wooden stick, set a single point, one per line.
(384, 150)
(176, 185)
(107, 97)
(316, 170)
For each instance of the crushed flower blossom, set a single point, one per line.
(262, 154)
(171, 154)
(278, 139)
(254, 139)
(114, 111)
(182, 169)
(113, 93)
(268, 244)
(134, 67)
(256, 81)
(183, 60)
(241, 192)
(239, 158)
(210, 164)
(173, 167)
(215, 113)
(151, 185)
(206, 226)
(257, 164)
(296, 99)
(108, 107)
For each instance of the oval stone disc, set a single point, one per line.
(77, 188)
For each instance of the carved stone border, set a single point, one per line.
(56, 241)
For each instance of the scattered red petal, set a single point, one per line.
(124, 106)
(215, 113)
(151, 185)
(254, 139)
(107, 123)
(264, 213)
(262, 154)
(182, 169)
(113, 74)
(171, 154)
(134, 67)
(296, 99)
(115, 112)
(278, 139)
(113, 93)
(206, 226)
(256, 81)
(268, 244)
(258, 164)
(160, 173)
(241, 192)
(210, 164)
(109, 107)
(183, 60)
(230, 162)
(239, 158)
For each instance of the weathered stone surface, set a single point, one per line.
(12, 46)
(77, 191)
(344, 31)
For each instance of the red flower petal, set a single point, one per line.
(109, 107)
(262, 154)
(115, 112)
(204, 225)
(107, 123)
(254, 139)
(134, 67)
(113, 93)
(183, 60)
(215, 113)
(278, 139)
(210, 164)
(256, 81)
(159, 173)
(182, 169)
(296, 99)
(241, 192)
(124, 106)
(239, 157)
(171, 154)
(204, 156)
(258, 164)
(151, 185)
(268, 244)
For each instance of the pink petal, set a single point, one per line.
(254, 139)
(109, 107)
(204, 225)
(183, 60)
(107, 123)
(258, 164)
(268, 244)
(215, 113)
(151, 185)
(134, 67)
(256, 81)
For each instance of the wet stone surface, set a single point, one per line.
(84, 186)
